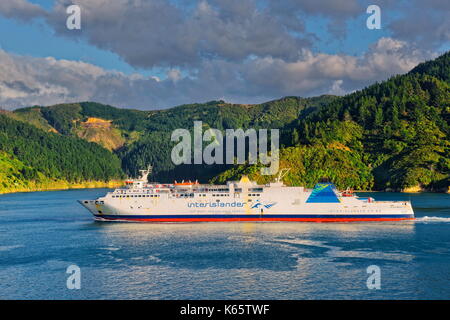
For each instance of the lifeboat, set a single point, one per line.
(183, 183)
(347, 193)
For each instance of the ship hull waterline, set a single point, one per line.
(280, 218)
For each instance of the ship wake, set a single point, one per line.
(432, 219)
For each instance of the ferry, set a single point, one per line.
(242, 200)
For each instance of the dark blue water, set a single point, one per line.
(42, 233)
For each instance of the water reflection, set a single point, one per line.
(218, 260)
(272, 246)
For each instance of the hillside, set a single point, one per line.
(393, 135)
(155, 147)
(143, 137)
(108, 126)
(31, 158)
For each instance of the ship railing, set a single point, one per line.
(396, 201)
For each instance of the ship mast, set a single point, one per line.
(145, 173)
(283, 172)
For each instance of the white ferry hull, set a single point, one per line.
(240, 201)
(179, 210)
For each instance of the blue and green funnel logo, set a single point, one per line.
(323, 193)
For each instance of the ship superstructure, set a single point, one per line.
(242, 200)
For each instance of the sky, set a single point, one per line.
(153, 54)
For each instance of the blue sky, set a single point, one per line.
(173, 52)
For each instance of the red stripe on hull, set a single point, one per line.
(258, 219)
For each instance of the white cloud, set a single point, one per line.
(27, 81)
(174, 75)
(20, 9)
(158, 33)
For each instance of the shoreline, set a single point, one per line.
(59, 186)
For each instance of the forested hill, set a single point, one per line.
(391, 135)
(143, 137)
(31, 158)
(438, 68)
(155, 146)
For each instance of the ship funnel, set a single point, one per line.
(323, 193)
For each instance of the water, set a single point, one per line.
(42, 233)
